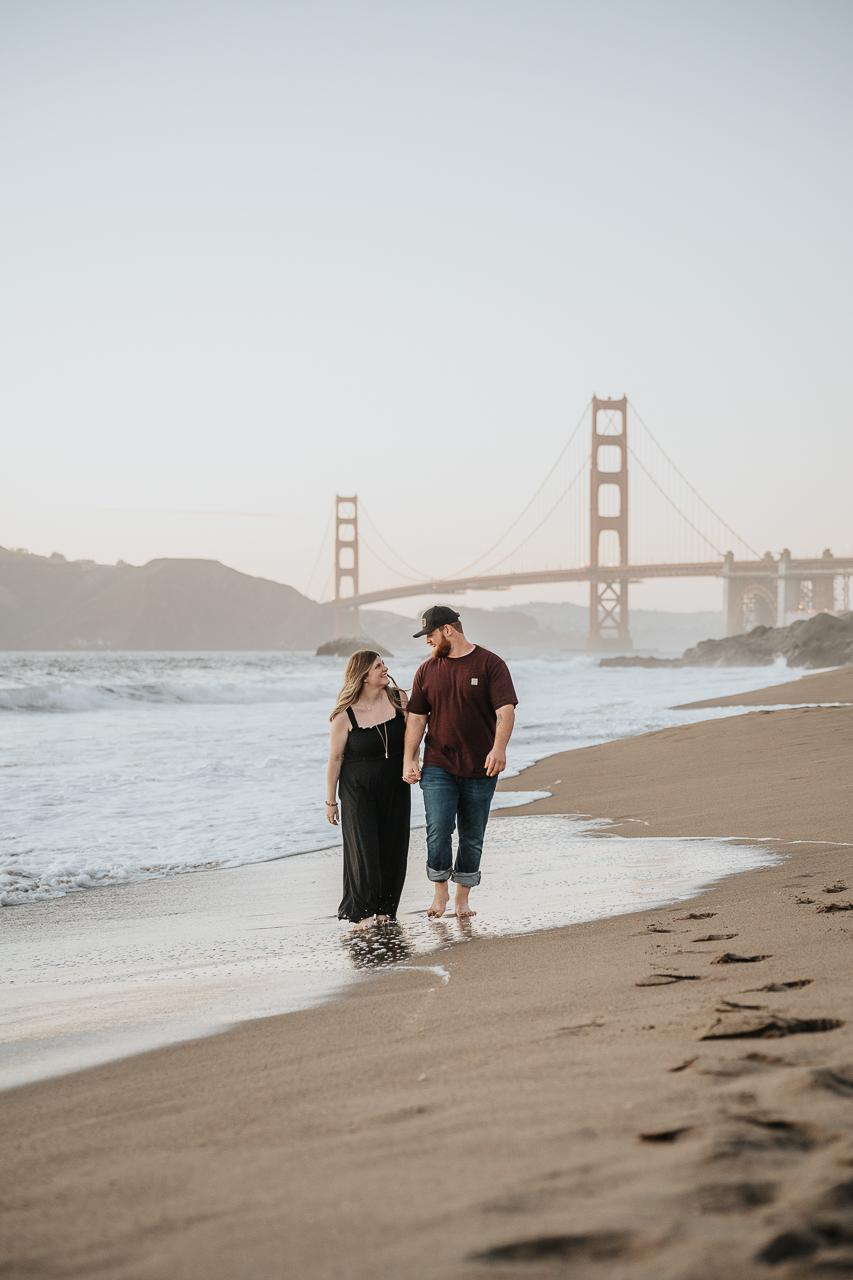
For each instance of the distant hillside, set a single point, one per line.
(53, 603)
(565, 626)
(504, 630)
(48, 602)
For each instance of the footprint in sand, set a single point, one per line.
(796, 985)
(734, 1197)
(665, 1135)
(665, 979)
(593, 1247)
(839, 1081)
(769, 1026)
(730, 957)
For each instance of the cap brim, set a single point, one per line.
(424, 632)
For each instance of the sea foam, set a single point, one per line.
(160, 764)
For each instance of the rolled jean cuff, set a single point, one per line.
(468, 879)
(438, 876)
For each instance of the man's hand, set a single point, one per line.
(415, 726)
(496, 759)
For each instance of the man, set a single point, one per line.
(465, 695)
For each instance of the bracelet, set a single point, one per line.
(332, 804)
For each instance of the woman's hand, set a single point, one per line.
(332, 813)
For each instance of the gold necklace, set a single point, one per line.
(383, 736)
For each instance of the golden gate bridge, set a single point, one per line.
(585, 523)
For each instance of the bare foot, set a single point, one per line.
(440, 901)
(364, 924)
(460, 902)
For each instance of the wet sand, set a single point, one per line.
(103, 974)
(820, 686)
(606, 1099)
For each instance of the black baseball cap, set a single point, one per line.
(438, 616)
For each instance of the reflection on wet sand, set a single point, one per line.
(394, 942)
(381, 944)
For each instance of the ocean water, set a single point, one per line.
(124, 767)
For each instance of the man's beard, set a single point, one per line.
(442, 649)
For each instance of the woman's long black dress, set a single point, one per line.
(375, 810)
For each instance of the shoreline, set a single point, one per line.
(468, 1128)
(95, 978)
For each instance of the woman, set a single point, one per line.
(366, 754)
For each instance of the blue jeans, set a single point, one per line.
(448, 800)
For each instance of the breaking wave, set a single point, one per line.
(96, 697)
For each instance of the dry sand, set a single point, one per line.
(553, 1109)
(783, 774)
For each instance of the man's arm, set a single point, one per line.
(415, 726)
(496, 759)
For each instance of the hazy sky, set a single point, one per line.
(255, 252)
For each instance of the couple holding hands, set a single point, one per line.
(463, 697)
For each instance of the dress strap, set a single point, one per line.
(351, 715)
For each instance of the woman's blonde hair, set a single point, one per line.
(356, 673)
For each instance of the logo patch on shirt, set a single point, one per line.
(474, 680)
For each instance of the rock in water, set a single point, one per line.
(346, 646)
(822, 641)
(635, 661)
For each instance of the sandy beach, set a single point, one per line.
(665, 1095)
(821, 686)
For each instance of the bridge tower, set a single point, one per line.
(608, 510)
(346, 564)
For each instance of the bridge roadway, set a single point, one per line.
(836, 566)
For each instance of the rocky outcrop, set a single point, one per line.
(634, 660)
(823, 641)
(346, 646)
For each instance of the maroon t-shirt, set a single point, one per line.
(461, 696)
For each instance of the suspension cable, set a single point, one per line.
(387, 566)
(728, 527)
(320, 552)
(672, 504)
(508, 531)
(422, 577)
(327, 583)
(564, 494)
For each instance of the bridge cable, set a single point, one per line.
(385, 565)
(508, 531)
(678, 509)
(564, 494)
(320, 552)
(728, 527)
(422, 577)
(328, 581)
